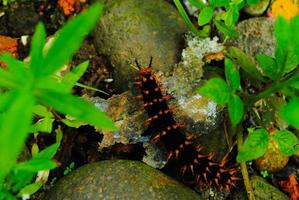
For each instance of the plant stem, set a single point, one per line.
(244, 171)
(186, 19)
(272, 89)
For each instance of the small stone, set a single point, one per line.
(119, 179)
(255, 36)
(272, 160)
(257, 9)
(138, 29)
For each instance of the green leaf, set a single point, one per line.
(186, 19)
(289, 113)
(292, 61)
(215, 89)
(41, 161)
(8, 80)
(205, 16)
(48, 152)
(281, 31)
(14, 130)
(294, 27)
(30, 189)
(71, 78)
(69, 39)
(42, 111)
(219, 3)
(245, 63)
(17, 69)
(252, 1)
(5, 195)
(232, 75)
(71, 122)
(36, 165)
(19, 179)
(226, 30)
(51, 84)
(235, 109)
(286, 141)
(268, 66)
(255, 145)
(232, 16)
(6, 99)
(197, 3)
(36, 50)
(77, 107)
(42, 125)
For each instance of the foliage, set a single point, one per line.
(28, 89)
(5, 2)
(225, 19)
(279, 74)
(226, 92)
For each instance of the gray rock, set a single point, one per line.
(255, 36)
(138, 29)
(119, 180)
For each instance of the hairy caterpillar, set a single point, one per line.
(195, 167)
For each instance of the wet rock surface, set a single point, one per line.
(137, 29)
(255, 36)
(119, 179)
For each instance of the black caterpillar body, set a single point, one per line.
(195, 166)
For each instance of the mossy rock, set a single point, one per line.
(262, 191)
(119, 180)
(138, 29)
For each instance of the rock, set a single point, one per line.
(21, 19)
(137, 29)
(255, 36)
(262, 191)
(119, 179)
(123, 109)
(200, 116)
(257, 9)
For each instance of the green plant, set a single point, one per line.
(224, 20)
(278, 75)
(27, 88)
(5, 2)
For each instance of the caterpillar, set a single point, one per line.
(195, 167)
